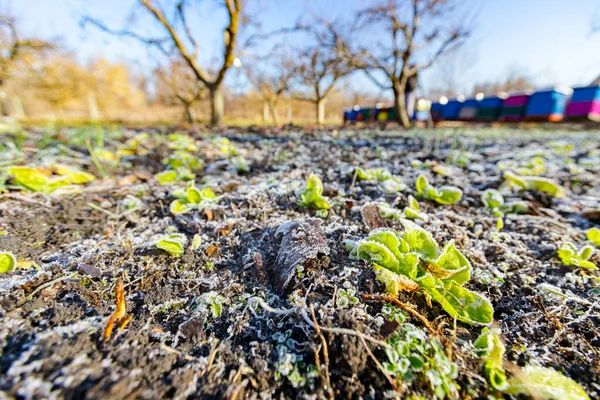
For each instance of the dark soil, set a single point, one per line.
(51, 341)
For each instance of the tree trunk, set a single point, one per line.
(189, 113)
(274, 113)
(400, 104)
(320, 104)
(216, 106)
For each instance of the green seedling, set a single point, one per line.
(196, 242)
(312, 195)
(182, 159)
(390, 183)
(413, 356)
(443, 195)
(182, 141)
(494, 202)
(393, 313)
(412, 261)
(42, 180)
(179, 175)
(545, 383)
(172, 243)
(192, 198)
(346, 297)
(569, 255)
(532, 183)
(213, 302)
(593, 235)
(8, 262)
(489, 346)
(412, 211)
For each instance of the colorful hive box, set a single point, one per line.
(489, 109)
(468, 111)
(436, 111)
(546, 105)
(514, 107)
(584, 104)
(451, 109)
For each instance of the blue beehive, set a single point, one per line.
(451, 109)
(489, 108)
(436, 111)
(547, 105)
(468, 110)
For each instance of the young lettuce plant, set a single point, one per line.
(593, 235)
(390, 183)
(42, 180)
(443, 195)
(182, 159)
(172, 243)
(489, 346)
(532, 183)
(312, 195)
(181, 174)
(494, 201)
(569, 255)
(192, 198)
(412, 211)
(412, 261)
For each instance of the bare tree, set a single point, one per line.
(179, 39)
(272, 80)
(418, 36)
(175, 84)
(321, 65)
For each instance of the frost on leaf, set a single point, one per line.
(300, 241)
(545, 383)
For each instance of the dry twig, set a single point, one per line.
(404, 306)
(120, 315)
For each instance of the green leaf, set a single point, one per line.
(419, 240)
(208, 194)
(492, 198)
(377, 252)
(489, 346)
(311, 196)
(516, 207)
(593, 235)
(179, 206)
(585, 252)
(31, 178)
(413, 204)
(8, 262)
(172, 244)
(193, 195)
(451, 265)
(73, 175)
(535, 183)
(458, 302)
(449, 195)
(166, 177)
(499, 224)
(196, 242)
(393, 282)
(421, 184)
(545, 383)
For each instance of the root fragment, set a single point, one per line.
(120, 316)
(404, 306)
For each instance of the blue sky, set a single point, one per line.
(550, 40)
